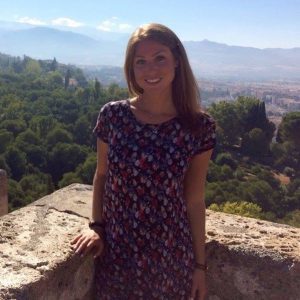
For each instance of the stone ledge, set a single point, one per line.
(252, 259)
(36, 261)
(248, 258)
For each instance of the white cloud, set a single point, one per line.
(125, 27)
(113, 24)
(31, 21)
(107, 26)
(66, 22)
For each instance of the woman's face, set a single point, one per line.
(154, 66)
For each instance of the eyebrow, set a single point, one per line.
(156, 53)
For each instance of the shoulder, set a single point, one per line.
(204, 137)
(113, 105)
(205, 119)
(205, 124)
(108, 117)
(111, 108)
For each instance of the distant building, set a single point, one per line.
(287, 103)
(73, 82)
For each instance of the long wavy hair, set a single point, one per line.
(185, 91)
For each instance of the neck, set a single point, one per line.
(157, 104)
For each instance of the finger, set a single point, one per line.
(75, 239)
(78, 243)
(81, 245)
(82, 239)
(75, 247)
(89, 246)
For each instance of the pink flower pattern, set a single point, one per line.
(148, 249)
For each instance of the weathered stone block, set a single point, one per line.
(247, 258)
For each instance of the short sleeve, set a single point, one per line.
(207, 139)
(102, 126)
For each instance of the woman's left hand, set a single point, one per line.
(198, 285)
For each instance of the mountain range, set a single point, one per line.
(208, 59)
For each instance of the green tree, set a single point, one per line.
(69, 178)
(289, 128)
(27, 137)
(65, 158)
(15, 195)
(58, 135)
(42, 125)
(4, 165)
(6, 138)
(14, 109)
(97, 90)
(213, 172)
(226, 173)
(69, 111)
(54, 65)
(32, 67)
(214, 193)
(292, 196)
(37, 156)
(55, 80)
(87, 95)
(252, 114)
(226, 158)
(287, 150)
(67, 78)
(239, 174)
(35, 186)
(82, 131)
(292, 218)
(225, 114)
(242, 208)
(262, 194)
(16, 161)
(87, 170)
(255, 143)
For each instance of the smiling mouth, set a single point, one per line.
(153, 81)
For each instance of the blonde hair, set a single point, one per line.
(185, 91)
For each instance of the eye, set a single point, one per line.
(160, 58)
(140, 62)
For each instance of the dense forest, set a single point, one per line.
(48, 111)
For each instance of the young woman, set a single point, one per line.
(148, 218)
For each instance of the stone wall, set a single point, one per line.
(247, 258)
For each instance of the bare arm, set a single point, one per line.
(99, 181)
(194, 186)
(92, 240)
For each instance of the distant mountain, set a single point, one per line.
(208, 59)
(220, 60)
(66, 46)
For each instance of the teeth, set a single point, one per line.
(153, 80)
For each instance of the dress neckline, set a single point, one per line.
(131, 113)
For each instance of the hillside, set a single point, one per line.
(48, 111)
(209, 59)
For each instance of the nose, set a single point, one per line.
(151, 66)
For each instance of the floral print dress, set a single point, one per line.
(148, 249)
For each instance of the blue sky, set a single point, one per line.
(256, 23)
